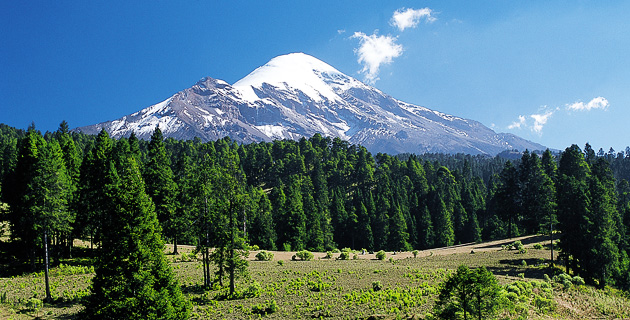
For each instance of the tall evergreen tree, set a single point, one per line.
(95, 174)
(133, 279)
(573, 204)
(160, 185)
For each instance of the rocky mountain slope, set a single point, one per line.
(297, 95)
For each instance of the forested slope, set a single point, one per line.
(323, 193)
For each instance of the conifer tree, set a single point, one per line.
(425, 229)
(398, 235)
(262, 231)
(573, 204)
(21, 217)
(133, 279)
(92, 202)
(160, 185)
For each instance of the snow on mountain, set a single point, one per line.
(297, 95)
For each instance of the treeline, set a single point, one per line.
(322, 193)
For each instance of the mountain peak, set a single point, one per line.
(291, 71)
(297, 95)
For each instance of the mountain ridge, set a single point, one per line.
(297, 95)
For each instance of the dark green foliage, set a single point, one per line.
(471, 293)
(133, 279)
(161, 186)
(321, 193)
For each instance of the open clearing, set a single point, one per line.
(341, 289)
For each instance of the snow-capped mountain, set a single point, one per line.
(297, 95)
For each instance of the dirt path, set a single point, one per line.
(528, 241)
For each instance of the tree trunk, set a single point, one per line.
(175, 245)
(46, 278)
(231, 264)
(551, 236)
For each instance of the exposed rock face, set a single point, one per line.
(297, 95)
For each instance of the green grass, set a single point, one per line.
(338, 289)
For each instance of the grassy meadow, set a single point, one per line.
(399, 287)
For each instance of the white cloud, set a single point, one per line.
(409, 18)
(374, 51)
(341, 31)
(540, 120)
(596, 103)
(517, 124)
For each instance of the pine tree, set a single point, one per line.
(398, 236)
(442, 224)
(21, 217)
(295, 217)
(425, 229)
(508, 198)
(95, 174)
(161, 186)
(133, 279)
(573, 204)
(262, 231)
(602, 237)
(364, 229)
(45, 202)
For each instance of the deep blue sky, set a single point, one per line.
(506, 64)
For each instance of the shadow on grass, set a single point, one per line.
(534, 268)
(13, 263)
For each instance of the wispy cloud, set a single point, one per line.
(596, 103)
(536, 122)
(409, 18)
(540, 120)
(374, 51)
(518, 124)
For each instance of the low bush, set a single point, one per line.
(305, 255)
(264, 256)
(381, 255)
(344, 255)
(538, 246)
(269, 307)
(377, 286)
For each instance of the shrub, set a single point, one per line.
(34, 304)
(523, 263)
(381, 255)
(561, 278)
(305, 255)
(546, 277)
(268, 307)
(543, 304)
(254, 248)
(567, 284)
(538, 246)
(253, 291)
(318, 286)
(578, 281)
(377, 286)
(415, 253)
(264, 256)
(335, 250)
(280, 262)
(355, 257)
(344, 255)
(286, 247)
(329, 255)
